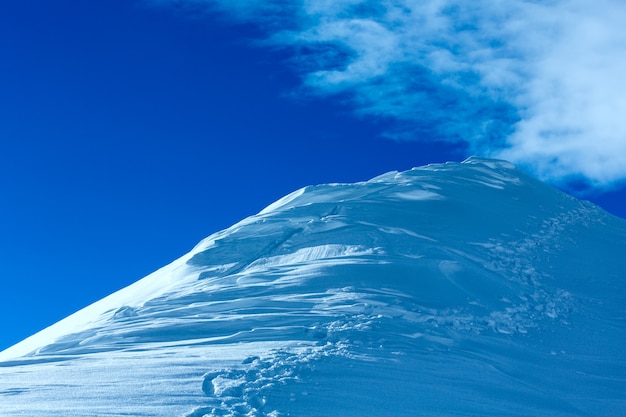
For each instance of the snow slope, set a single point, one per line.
(458, 289)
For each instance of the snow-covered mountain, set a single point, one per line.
(459, 289)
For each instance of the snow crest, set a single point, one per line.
(453, 289)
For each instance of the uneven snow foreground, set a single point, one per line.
(460, 289)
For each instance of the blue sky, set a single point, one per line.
(130, 130)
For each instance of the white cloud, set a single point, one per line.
(573, 104)
(538, 83)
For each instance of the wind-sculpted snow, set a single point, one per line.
(455, 289)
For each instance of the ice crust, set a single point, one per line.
(457, 289)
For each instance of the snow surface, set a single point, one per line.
(458, 289)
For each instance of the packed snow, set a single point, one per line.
(457, 289)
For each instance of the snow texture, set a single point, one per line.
(458, 289)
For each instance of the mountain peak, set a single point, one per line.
(485, 282)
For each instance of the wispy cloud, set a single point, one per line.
(538, 83)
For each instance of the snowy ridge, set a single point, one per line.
(451, 289)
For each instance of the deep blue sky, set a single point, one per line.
(129, 133)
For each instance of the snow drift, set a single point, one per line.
(453, 289)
